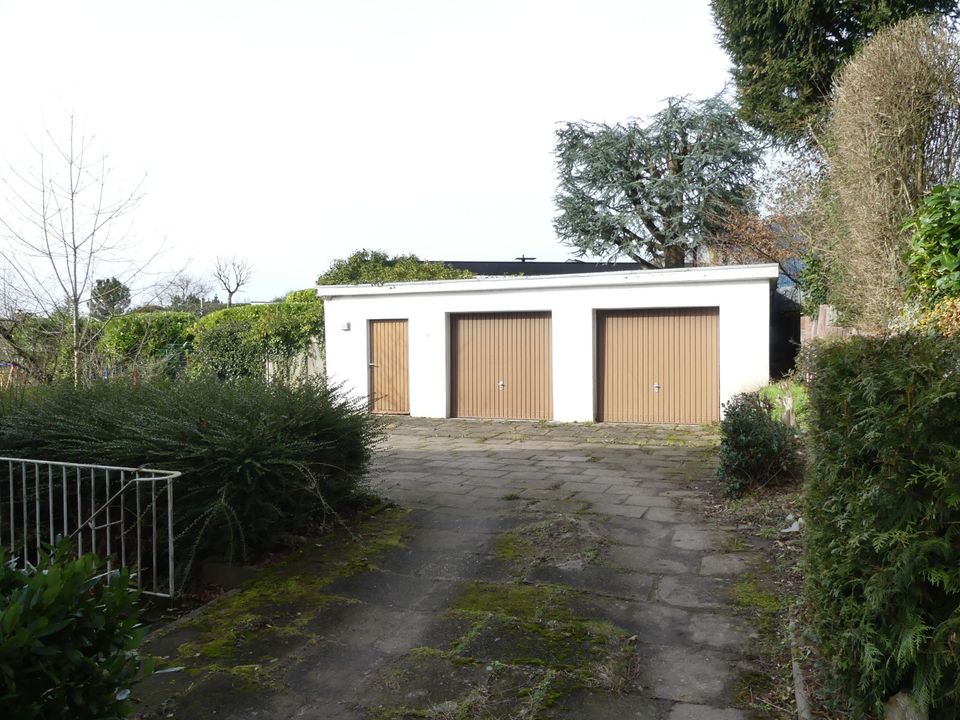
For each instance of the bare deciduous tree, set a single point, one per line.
(232, 274)
(183, 289)
(747, 237)
(62, 221)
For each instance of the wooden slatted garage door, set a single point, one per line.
(501, 366)
(388, 361)
(658, 366)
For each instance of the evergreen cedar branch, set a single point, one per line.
(654, 191)
(785, 54)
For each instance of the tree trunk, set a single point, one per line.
(75, 323)
(674, 256)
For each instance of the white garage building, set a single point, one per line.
(649, 346)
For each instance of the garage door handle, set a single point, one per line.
(501, 385)
(372, 364)
(656, 387)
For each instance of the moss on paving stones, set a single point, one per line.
(563, 540)
(527, 645)
(242, 633)
(764, 608)
(748, 594)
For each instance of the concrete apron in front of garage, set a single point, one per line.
(607, 516)
(547, 571)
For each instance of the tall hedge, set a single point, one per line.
(147, 337)
(883, 518)
(237, 342)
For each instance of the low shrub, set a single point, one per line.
(933, 258)
(755, 448)
(67, 639)
(260, 460)
(882, 509)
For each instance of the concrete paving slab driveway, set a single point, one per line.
(545, 571)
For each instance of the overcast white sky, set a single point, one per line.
(293, 133)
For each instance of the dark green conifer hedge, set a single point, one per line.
(883, 518)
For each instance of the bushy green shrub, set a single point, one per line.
(67, 640)
(148, 338)
(260, 460)
(883, 518)
(375, 267)
(237, 342)
(755, 448)
(934, 255)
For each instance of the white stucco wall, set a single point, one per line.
(742, 294)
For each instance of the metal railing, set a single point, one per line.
(123, 514)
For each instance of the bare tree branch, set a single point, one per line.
(59, 222)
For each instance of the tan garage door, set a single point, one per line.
(500, 366)
(389, 374)
(658, 366)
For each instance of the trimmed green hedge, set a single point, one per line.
(883, 518)
(67, 640)
(237, 342)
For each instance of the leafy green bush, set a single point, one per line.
(237, 342)
(375, 267)
(883, 518)
(755, 448)
(146, 338)
(934, 255)
(260, 460)
(67, 639)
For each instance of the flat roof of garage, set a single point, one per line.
(717, 274)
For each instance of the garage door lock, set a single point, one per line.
(656, 387)
(501, 385)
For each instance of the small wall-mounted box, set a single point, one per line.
(345, 327)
